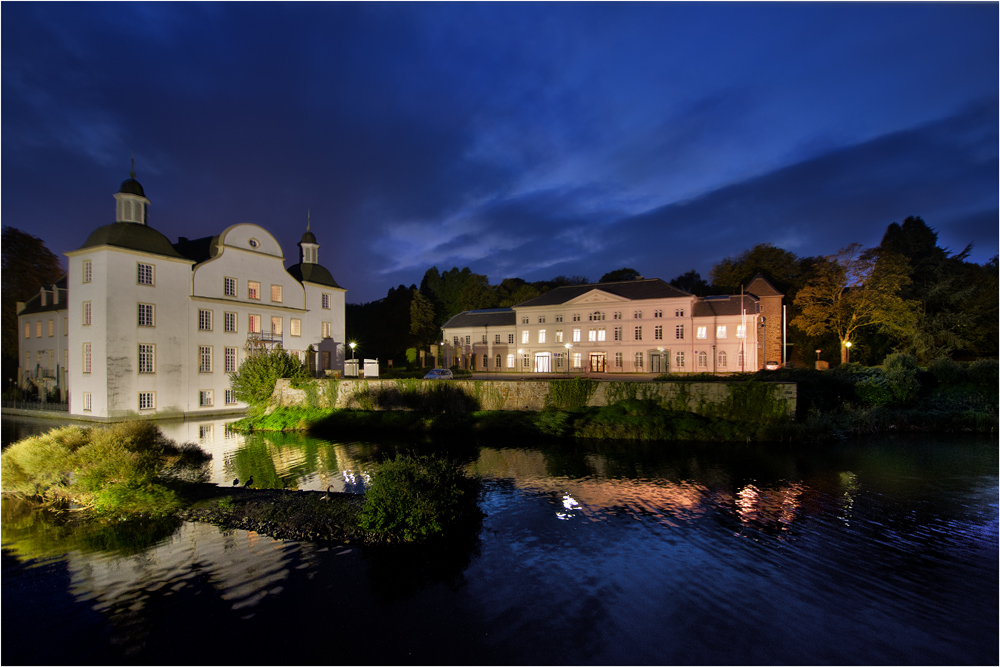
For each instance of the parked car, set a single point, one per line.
(440, 374)
(772, 366)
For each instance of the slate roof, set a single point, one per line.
(199, 250)
(34, 305)
(713, 306)
(488, 317)
(635, 290)
(312, 273)
(760, 286)
(132, 236)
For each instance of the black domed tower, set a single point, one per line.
(308, 268)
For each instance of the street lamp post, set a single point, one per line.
(848, 346)
(568, 347)
(352, 346)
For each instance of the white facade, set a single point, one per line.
(43, 339)
(641, 326)
(156, 328)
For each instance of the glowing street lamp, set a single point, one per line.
(848, 346)
(568, 346)
(352, 346)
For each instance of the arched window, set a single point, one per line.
(702, 360)
(498, 362)
(722, 359)
(128, 210)
(486, 362)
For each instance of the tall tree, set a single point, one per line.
(939, 282)
(620, 275)
(691, 282)
(856, 290)
(782, 268)
(422, 326)
(27, 266)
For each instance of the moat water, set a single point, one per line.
(869, 552)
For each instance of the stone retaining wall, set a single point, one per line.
(530, 395)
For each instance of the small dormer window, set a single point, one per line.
(254, 243)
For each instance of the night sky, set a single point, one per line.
(520, 140)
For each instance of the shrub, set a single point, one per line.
(900, 361)
(575, 393)
(946, 371)
(984, 374)
(874, 390)
(254, 382)
(413, 498)
(903, 384)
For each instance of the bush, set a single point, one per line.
(946, 371)
(903, 384)
(984, 374)
(253, 383)
(900, 361)
(873, 390)
(413, 498)
(569, 394)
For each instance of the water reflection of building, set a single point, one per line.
(669, 498)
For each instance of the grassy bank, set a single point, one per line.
(130, 472)
(899, 396)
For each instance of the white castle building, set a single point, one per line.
(150, 327)
(635, 326)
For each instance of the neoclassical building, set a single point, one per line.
(154, 327)
(635, 326)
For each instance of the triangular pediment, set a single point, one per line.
(596, 296)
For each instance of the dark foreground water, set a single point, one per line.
(882, 552)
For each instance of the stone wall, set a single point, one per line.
(530, 395)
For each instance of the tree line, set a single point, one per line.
(906, 294)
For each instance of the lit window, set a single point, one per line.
(559, 336)
(144, 274)
(679, 360)
(576, 335)
(577, 360)
(524, 337)
(86, 357)
(87, 313)
(327, 330)
(147, 315)
(229, 322)
(658, 332)
(204, 320)
(253, 324)
(88, 271)
(230, 360)
(147, 358)
(295, 326)
(679, 332)
(326, 301)
(541, 335)
(722, 359)
(275, 325)
(229, 286)
(204, 358)
(638, 333)
(276, 293)
(510, 360)
(592, 335)
(147, 400)
(52, 328)
(253, 290)
(205, 398)
(720, 331)
(702, 333)
(601, 334)
(38, 329)
(741, 331)
(27, 329)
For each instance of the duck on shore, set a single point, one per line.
(248, 483)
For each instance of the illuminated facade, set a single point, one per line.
(635, 326)
(151, 327)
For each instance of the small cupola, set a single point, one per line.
(131, 202)
(308, 248)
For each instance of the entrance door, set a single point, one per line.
(658, 362)
(597, 362)
(542, 362)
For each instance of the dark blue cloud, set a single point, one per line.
(518, 139)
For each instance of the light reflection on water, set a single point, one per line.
(879, 553)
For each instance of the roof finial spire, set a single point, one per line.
(132, 173)
(308, 220)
